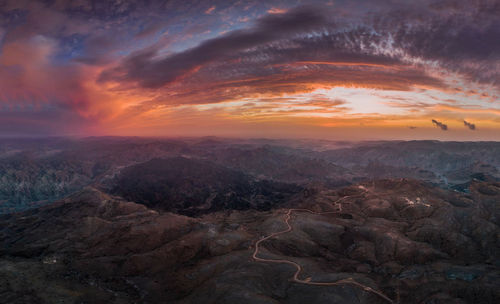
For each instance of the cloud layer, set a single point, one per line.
(116, 66)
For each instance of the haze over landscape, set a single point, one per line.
(280, 151)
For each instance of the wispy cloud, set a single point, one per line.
(122, 60)
(144, 67)
(210, 10)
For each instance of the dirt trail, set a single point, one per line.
(298, 267)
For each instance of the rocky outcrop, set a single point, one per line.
(411, 241)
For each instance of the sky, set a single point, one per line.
(339, 69)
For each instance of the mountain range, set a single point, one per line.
(210, 220)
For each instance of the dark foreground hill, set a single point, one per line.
(192, 187)
(410, 241)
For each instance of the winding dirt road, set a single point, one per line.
(307, 281)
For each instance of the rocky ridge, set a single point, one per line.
(414, 242)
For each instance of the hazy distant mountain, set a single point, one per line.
(445, 163)
(282, 164)
(38, 171)
(26, 179)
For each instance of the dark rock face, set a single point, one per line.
(192, 187)
(411, 241)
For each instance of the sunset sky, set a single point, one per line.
(377, 69)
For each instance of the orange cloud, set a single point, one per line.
(276, 10)
(210, 10)
(467, 110)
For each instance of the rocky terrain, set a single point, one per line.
(35, 172)
(413, 242)
(210, 220)
(448, 164)
(192, 187)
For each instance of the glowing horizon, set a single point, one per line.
(315, 69)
